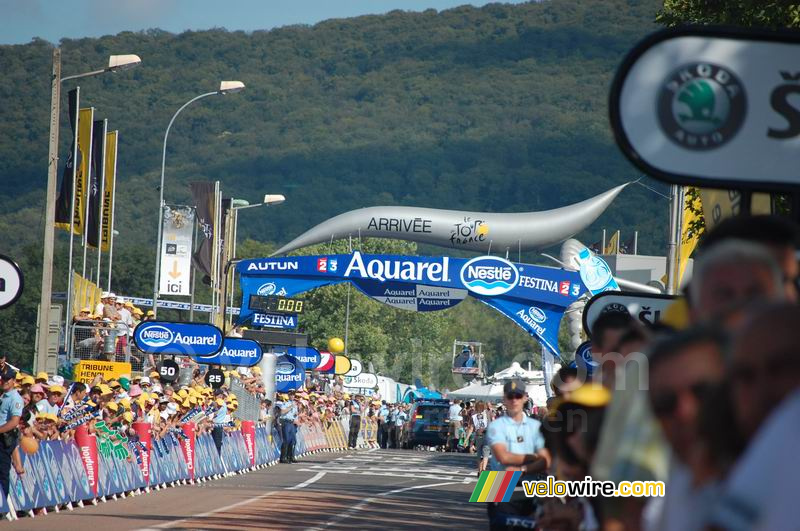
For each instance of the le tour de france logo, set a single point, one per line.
(701, 106)
(156, 336)
(489, 275)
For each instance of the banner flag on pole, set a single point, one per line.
(110, 179)
(95, 182)
(692, 206)
(85, 118)
(64, 201)
(613, 244)
(203, 195)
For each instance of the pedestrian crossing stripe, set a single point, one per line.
(495, 486)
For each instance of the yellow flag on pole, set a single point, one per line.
(85, 117)
(692, 206)
(108, 190)
(612, 247)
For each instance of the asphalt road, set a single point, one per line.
(366, 489)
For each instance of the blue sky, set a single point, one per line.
(52, 20)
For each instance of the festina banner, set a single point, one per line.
(64, 201)
(275, 320)
(534, 297)
(203, 195)
(109, 183)
(711, 107)
(96, 182)
(176, 251)
(477, 231)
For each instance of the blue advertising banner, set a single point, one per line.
(235, 352)
(275, 320)
(422, 283)
(308, 357)
(164, 337)
(289, 374)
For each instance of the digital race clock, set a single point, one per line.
(275, 304)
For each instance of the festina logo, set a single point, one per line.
(275, 320)
(383, 269)
(273, 266)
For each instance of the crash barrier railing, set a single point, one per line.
(107, 466)
(104, 341)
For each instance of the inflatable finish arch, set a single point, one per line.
(455, 229)
(534, 297)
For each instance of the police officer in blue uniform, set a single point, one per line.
(288, 430)
(517, 444)
(11, 405)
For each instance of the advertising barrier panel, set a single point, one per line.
(68, 472)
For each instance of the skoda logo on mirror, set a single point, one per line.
(156, 336)
(489, 275)
(266, 289)
(537, 314)
(701, 106)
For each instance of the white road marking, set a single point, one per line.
(307, 482)
(171, 523)
(357, 507)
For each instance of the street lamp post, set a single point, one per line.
(115, 63)
(225, 87)
(236, 206)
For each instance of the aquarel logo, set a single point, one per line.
(537, 314)
(701, 106)
(489, 275)
(156, 336)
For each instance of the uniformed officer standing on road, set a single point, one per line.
(517, 444)
(11, 405)
(288, 430)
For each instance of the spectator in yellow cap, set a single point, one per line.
(41, 377)
(50, 404)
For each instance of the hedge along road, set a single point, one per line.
(367, 489)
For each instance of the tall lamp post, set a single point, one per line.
(225, 87)
(231, 233)
(115, 63)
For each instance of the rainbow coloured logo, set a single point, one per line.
(495, 486)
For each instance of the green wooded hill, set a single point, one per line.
(502, 108)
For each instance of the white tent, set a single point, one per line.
(493, 390)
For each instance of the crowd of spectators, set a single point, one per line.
(707, 400)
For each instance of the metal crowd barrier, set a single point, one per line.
(105, 342)
(249, 403)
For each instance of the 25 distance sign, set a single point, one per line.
(11, 282)
(214, 378)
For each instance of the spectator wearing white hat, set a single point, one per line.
(110, 308)
(98, 309)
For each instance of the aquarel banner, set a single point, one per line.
(523, 292)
